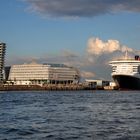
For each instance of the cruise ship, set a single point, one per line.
(126, 72)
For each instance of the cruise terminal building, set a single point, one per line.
(33, 74)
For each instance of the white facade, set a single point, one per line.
(43, 73)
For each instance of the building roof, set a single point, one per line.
(55, 65)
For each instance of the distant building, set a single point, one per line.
(7, 71)
(34, 73)
(97, 83)
(2, 60)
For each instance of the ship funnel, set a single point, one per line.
(137, 57)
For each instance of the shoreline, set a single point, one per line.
(48, 88)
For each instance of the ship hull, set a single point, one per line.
(127, 82)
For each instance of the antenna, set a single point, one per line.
(126, 54)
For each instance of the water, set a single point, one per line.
(70, 115)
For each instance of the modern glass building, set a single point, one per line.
(34, 73)
(2, 60)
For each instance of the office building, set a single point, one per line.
(34, 73)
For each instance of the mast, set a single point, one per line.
(126, 54)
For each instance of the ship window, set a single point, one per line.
(114, 68)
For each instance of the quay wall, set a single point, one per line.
(49, 87)
(37, 87)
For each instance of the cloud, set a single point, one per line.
(81, 8)
(98, 47)
(87, 74)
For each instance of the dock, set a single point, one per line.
(50, 87)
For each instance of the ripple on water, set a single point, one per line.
(80, 115)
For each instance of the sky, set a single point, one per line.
(86, 34)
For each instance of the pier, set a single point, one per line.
(50, 87)
(37, 87)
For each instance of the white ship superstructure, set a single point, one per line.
(126, 72)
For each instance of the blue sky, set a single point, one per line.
(48, 30)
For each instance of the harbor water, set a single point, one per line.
(70, 115)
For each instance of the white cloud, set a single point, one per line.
(97, 47)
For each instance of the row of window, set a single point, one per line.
(135, 68)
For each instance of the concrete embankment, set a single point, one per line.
(49, 87)
(37, 87)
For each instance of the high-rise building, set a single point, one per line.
(2, 59)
